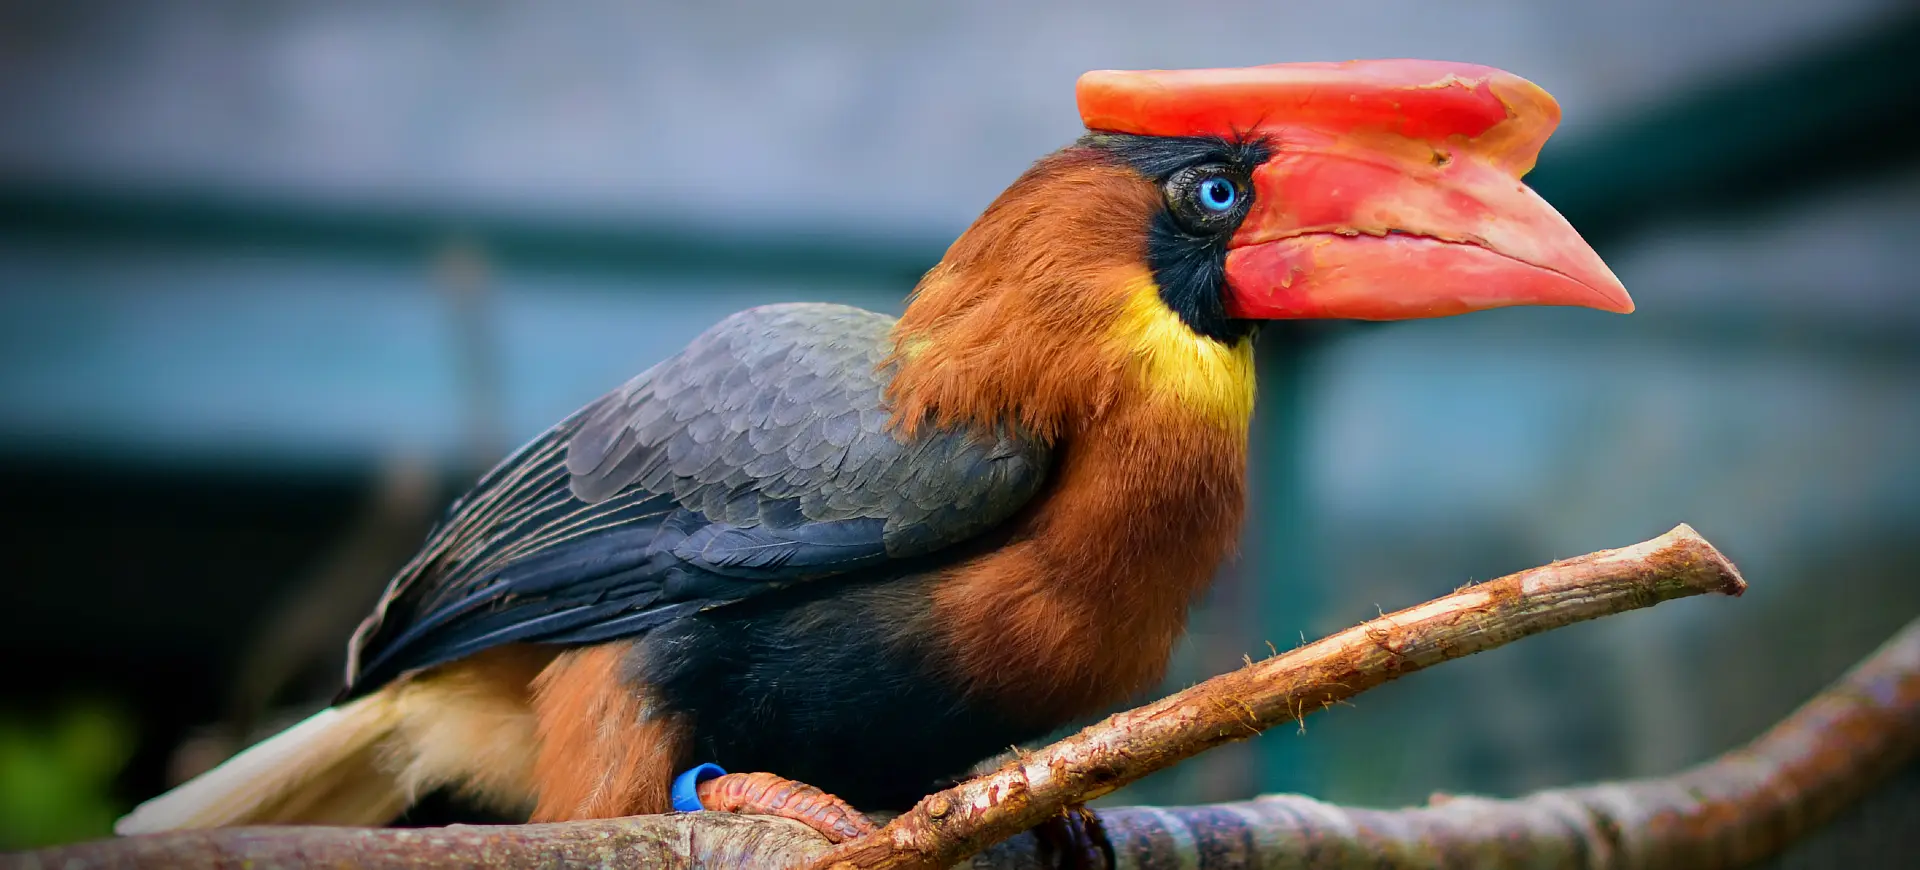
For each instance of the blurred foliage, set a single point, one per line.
(57, 772)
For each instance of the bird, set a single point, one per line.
(825, 559)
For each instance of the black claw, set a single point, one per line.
(1074, 840)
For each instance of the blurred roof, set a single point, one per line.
(828, 152)
(875, 115)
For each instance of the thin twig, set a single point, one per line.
(953, 824)
(1733, 811)
(948, 826)
(1739, 808)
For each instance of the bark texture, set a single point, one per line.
(950, 825)
(1733, 811)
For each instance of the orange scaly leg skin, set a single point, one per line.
(764, 794)
(1074, 840)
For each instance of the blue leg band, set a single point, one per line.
(686, 795)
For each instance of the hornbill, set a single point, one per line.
(865, 553)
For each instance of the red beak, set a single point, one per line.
(1393, 191)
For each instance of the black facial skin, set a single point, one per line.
(1187, 243)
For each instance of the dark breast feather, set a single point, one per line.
(756, 458)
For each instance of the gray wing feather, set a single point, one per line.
(758, 456)
(785, 402)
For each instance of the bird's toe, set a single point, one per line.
(766, 794)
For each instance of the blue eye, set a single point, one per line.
(1217, 195)
(1207, 200)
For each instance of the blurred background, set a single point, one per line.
(278, 279)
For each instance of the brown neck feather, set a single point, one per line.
(1146, 496)
(1001, 327)
(1082, 609)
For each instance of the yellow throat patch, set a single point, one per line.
(1175, 364)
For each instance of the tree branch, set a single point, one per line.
(951, 825)
(1738, 809)
(694, 840)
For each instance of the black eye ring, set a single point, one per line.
(1207, 199)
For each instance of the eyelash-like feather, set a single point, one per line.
(1159, 157)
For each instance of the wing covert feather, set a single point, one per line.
(757, 457)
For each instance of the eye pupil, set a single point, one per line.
(1207, 200)
(1218, 194)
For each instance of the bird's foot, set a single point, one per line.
(1074, 840)
(764, 794)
